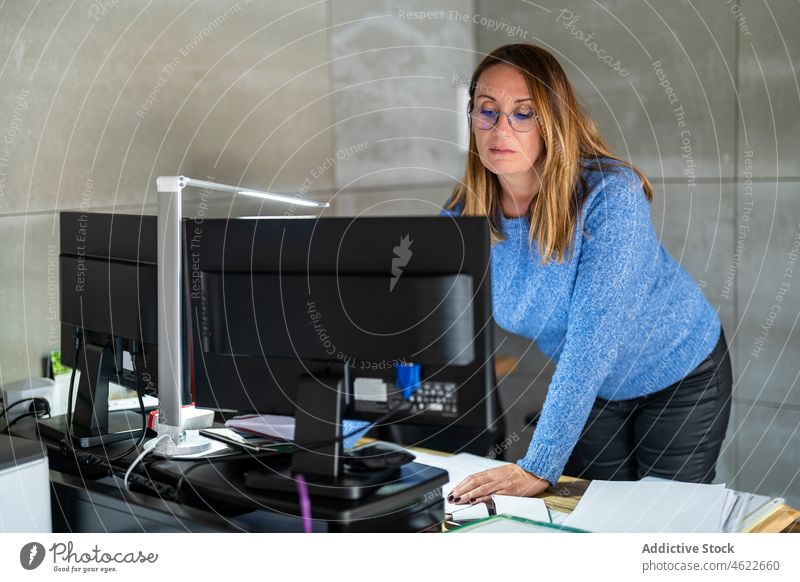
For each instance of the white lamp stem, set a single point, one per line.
(170, 352)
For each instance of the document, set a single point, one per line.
(281, 427)
(527, 507)
(461, 466)
(271, 425)
(651, 506)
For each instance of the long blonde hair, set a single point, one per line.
(571, 143)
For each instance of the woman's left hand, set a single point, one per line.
(506, 480)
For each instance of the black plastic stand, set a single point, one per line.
(318, 427)
(122, 425)
(318, 430)
(409, 500)
(92, 424)
(350, 485)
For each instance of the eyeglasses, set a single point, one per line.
(522, 119)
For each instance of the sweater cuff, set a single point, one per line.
(544, 462)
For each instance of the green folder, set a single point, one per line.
(504, 523)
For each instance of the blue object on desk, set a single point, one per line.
(348, 426)
(407, 378)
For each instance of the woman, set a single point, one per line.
(643, 382)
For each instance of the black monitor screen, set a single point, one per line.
(273, 299)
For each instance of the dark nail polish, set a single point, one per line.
(450, 498)
(456, 500)
(471, 500)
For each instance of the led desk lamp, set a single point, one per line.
(170, 350)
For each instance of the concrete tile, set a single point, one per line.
(410, 201)
(237, 92)
(696, 227)
(694, 43)
(521, 394)
(28, 294)
(395, 75)
(727, 468)
(769, 49)
(768, 293)
(768, 440)
(529, 359)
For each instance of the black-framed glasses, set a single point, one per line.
(521, 119)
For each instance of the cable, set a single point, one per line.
(141, 456)
(90, 458)
(78, 342)
(162, 489)
(33, 400)
(138, 444)
(185, 474)
(35, 413)
(135, 446)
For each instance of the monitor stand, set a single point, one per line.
(92, 423)
(350, 485)
(318, 424)
(411, 499)
(122, 425)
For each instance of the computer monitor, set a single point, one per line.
(107, 285)
(276, 302)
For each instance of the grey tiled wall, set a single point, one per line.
(99, 98)
(768, 122)
(395, 81)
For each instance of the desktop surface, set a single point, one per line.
(216, 498)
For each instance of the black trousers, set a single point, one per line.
(675, 433)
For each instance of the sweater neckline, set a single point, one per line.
(514, 224)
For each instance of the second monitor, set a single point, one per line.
(274, 300)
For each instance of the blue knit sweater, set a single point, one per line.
(620, 316)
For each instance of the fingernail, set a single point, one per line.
(450, 498)
(471, 500)
(456, 500)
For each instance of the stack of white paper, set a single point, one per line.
(271, 425)
(652, 506)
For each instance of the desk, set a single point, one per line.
(90, 500)
(566, 494)
(568, 491)
(97, 503)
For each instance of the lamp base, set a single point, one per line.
(181, 445)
